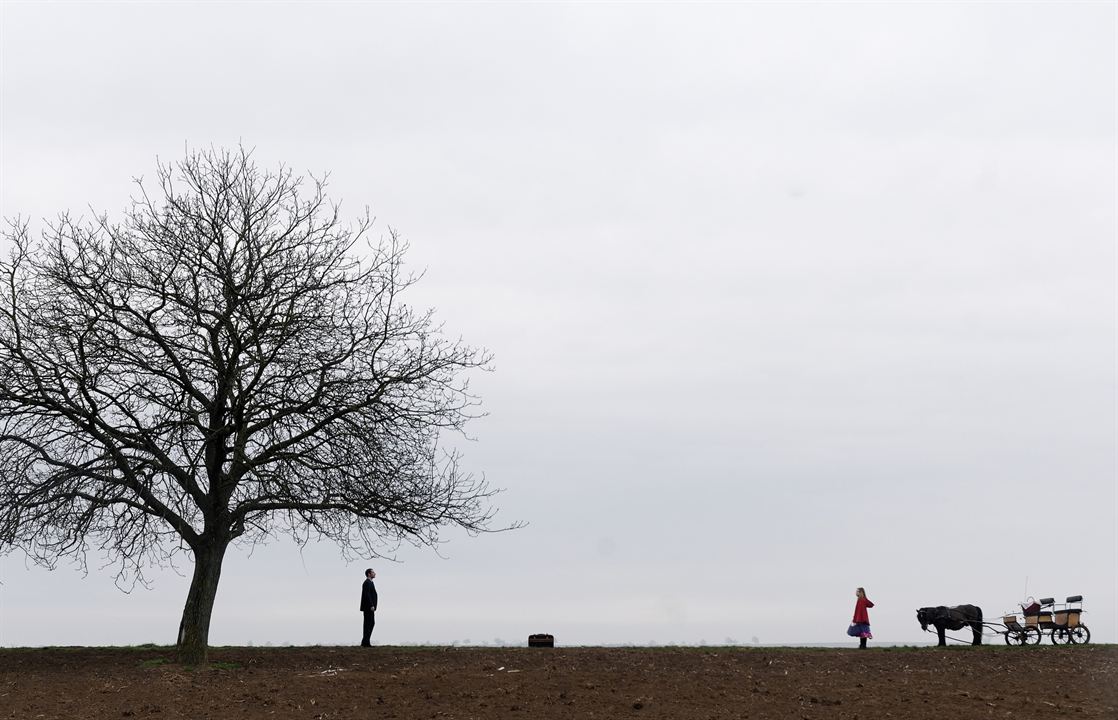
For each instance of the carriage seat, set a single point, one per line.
(1074, 599)
(1046, 602)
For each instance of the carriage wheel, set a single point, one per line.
(1032, 636)
(1061, 636)
(1080, 635)
(1013, 637)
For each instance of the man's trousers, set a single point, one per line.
(370, 621)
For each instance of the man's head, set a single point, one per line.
(370, 574)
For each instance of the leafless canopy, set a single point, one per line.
(228, 362)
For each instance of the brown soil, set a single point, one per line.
(382, 682)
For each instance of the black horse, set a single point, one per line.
(952, 618)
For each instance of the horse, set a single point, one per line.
(952, 618)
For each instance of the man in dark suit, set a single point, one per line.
(368, 606)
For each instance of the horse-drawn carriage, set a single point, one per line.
(1062, 622)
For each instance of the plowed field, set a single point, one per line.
(385, 682)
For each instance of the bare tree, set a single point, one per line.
(220, 367)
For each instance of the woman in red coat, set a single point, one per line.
(860, 626)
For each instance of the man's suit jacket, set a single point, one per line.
(368, 596)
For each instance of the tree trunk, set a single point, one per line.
(194, 630)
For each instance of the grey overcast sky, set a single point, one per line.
(785, 298)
